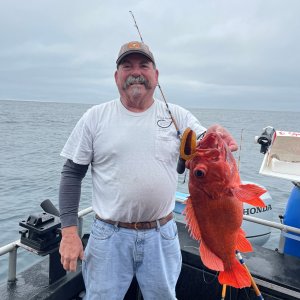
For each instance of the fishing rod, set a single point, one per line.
(160, 89)
(188, 138)
(253, 283)
(240, 150)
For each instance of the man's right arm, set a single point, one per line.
(69, 195)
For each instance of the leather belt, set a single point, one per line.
(139, 225)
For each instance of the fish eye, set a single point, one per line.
(199, 173)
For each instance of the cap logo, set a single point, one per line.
(134, 45)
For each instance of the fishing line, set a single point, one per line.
(253, 283)
(246, 293)
(160, 89)
(197, 248)
(231, 267)
(184, 176)
(209, 282)
(244, 289)
(162, 121)
(203, 275)
(240, 150)
(136, 26)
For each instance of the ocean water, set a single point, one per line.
(32, 135)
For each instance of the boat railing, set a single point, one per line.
(11, 248)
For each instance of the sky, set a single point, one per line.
(235, 54)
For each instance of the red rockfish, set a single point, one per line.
(214, 210)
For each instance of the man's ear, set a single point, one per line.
(116, 76)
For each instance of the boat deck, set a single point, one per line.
(278, 277)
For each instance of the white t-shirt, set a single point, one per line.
(133, 158)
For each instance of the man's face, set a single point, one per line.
(136, 76)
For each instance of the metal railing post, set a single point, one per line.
(12, 265)
(281, 241)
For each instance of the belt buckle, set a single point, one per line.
(135, 225)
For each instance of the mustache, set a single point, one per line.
(136, 80)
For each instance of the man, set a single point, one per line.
(132, 146)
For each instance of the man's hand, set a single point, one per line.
(70, 248)
(230, 141)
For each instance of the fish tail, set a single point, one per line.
(237, 276)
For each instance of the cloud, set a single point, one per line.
(221, 52)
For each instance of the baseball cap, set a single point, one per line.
(134, 47)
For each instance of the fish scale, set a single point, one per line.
(214, 210)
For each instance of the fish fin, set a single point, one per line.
(237, 276)
(243, 244)
(209, 259)
(191, 220)
(249, 193)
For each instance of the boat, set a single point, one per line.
(276, 272)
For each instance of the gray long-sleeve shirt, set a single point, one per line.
(69, 192)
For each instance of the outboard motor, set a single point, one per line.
(265, 139)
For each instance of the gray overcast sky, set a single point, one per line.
(224, 54)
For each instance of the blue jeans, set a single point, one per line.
(114, 255)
